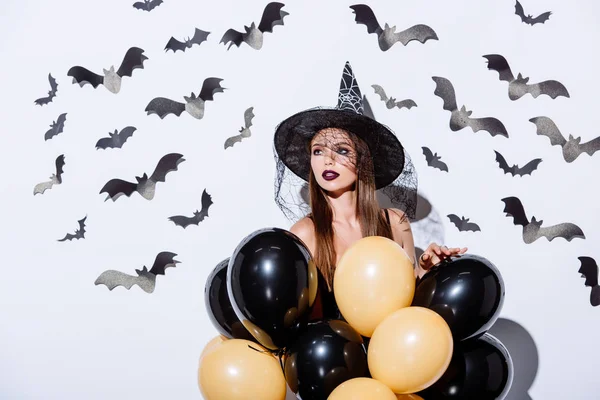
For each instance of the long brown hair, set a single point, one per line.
(368, 212)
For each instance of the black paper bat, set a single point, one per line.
(115, 140)
(463, 223)
(391, 102)
(79, 233)
(162, 106)
(527, 169)
(571, 148)
(51, 94)
(540, 19)
(387, 36)
(518, 87)
(55, 179)
(589, 271)
(199, 37)
(272, 16)
(145, 186)
(147, 5)
(244, 130)
(433, 160)
(56, 127)
(198, 216)
(145, 279)
(533, 230)
(134, 58)
(462, 118)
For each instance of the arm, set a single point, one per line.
(403, 235)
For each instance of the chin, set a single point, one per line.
(333, 186)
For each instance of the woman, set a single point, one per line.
(345, 156)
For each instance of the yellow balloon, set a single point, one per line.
(238, 369)
(408, 397)
(362, 389)
(373, 278)
(213, 344)
(410, 350)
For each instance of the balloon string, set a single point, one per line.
(280, 356)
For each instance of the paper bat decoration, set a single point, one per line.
(134, 58)
(540, 19)
(533, 230)
(244, 130)
(199, 37)
(391, 102)
(198, 216)
(518, 87)
(387, 36)
(145, 186)
(572, 147)
(55, 179)
(79, 233)
(147, 5)
(462, 118)
(589, 271)
(145, 279)
(433, 160)
(56, 127)
(194, 106)
(463, 223)
(51, 94)
(272, 16)
(115, 140)
(527, 169)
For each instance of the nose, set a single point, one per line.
(328, 158)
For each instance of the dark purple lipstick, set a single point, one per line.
(329, 175)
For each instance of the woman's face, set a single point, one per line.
(333, 159)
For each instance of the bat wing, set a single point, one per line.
(51, 93)
(272, 16)
(105, 143)
(232, 37)
(248, 115)
(589, 270)
(567, 231)
(174, 45)
(379, 90)
(502, 163)
(590, 147)
(514, 208)
(140, 5)
(439, 165)
(408, 103)
(199, 36)
(488, 124)
(428, 154)
(112, 279)
(183, 221)
(499, 64)
(126, 133)
(166, 164)
(230, 141)
(546, 127)
(550, 88)
(56, 127)
(445, 91)
(210, 86)
(364, 15)
(471, 226)
(163, 261)
(420, 32)
(162, 107)
(206, 203)
(42, 187)
(134, 59)
(117, 187)
(84, 76)
(528, 168)
(540, 19)
(519, 11)
(59, 163)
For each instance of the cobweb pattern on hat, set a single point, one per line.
(349, 97)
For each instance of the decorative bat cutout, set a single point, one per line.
(463, 223)
(147, 5)
(145, 279)
(572, 147)
(198, 216)
(51, 94)
(272, 16)
(145, 186)
(527, 169)
(79, 233)
(533, 230)
(199, 37)
(540, 19)
(162, 106)
(518, 87)
(433, 160)
(391, 102)
(244, 130)
(589, 271)
(387, 36)
(55, 179)
(462, 118)
(56, 127)
(134, 58)
(115, 140)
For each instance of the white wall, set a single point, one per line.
(65, 338)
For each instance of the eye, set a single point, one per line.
(316, 152)
(343, 151)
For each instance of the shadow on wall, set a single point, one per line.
(523, 352)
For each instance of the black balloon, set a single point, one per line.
(325, 354)
(218, 305)
(466, 290)
(480, 369)
(272, 284)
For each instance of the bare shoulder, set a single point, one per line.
(398, 219)
(305, 230)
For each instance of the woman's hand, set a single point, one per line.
(435, 253)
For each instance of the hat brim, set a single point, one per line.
(294, 133)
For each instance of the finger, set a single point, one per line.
(464, 249)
